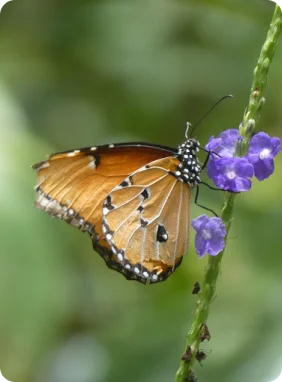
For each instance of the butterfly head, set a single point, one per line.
(189, 167)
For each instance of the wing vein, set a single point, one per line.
(142, 256)
(130, 237)
(70, 189)
(66, 179)
(177, 226)
(140, 204)
(59, 169)
(142, 189)
(187, 225)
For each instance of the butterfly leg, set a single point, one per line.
(209, 152)
(211, 187)
(206, 160)
(200, 205)
(218, 189)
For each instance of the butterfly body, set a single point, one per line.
(133, 200)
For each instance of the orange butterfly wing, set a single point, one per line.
(146, 220)
(73, 185)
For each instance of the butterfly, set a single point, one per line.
(133, 199)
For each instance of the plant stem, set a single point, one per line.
(185, 372)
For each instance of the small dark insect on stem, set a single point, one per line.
(187, 355)
(201, 356)
(191, 377)
(196, 288)
(204, 333)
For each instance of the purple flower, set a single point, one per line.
(231, 174)
(225, 144)
(210, 234)
(262, 150)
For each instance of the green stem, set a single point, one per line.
(196, 334)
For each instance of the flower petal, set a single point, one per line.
(216, 246)
(242, 185)
(225, 144)
(199, 222)
(259, 142)
(213, 144)
(264, 168)
(201, 245)
(276, 146)
(229, 138)
(243, 168)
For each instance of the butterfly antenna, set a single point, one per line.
(207, 113)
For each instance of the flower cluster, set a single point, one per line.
(234, 174)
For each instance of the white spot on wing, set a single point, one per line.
(75, 223)
(92, 163)
(42, 201)
(49, 205)
(120, 257)
(43, 165)
(105, 210)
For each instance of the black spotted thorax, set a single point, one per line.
(189, 167)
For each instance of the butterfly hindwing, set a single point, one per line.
(146, 220)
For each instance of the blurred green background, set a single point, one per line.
(82, 73)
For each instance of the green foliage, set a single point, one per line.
(106, 71)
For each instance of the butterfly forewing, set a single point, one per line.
(73, 186)
(146, 220)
